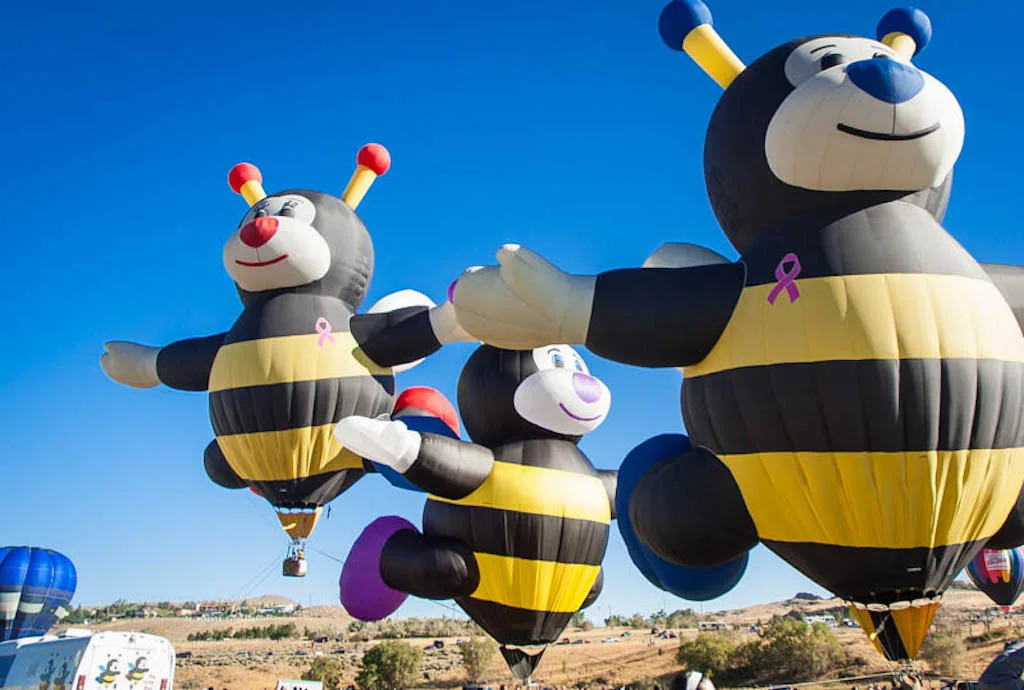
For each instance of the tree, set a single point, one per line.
(391, 665)
(477, 654)
(325, 669)
(708, 653)
(945, 652)
(578, 619)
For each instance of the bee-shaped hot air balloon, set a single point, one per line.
(296, 360)
(854, 383)
(516, 524)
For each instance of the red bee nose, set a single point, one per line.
(257, 233)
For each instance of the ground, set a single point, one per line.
(258, 664)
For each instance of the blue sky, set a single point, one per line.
(567, 127)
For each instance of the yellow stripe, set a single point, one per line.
(271, 456)
(863, 617)
(299, 525)
(534, 585)
(884, 316)
(883, 500)
(289, 358)
(540, 491)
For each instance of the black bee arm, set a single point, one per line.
(610, 479)
(662, 317)
(1010, 282)
(449, 468)
(395, 337)
(186, 364)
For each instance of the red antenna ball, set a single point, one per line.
(375, 157)
(242, 173)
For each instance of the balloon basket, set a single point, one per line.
(295, 562)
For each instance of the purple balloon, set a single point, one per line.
(363, 592)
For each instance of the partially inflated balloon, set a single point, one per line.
(35, 587)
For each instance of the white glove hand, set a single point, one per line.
(378, 440)
(131, 364)
(525, 302)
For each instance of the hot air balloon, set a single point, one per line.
(854, 382)
(999, 574)
(516, 523)
(36, 585)
(294, 362)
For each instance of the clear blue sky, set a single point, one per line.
(565, 126)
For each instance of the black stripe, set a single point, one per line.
(510, 625)
(881, 406)
(289, 314)
(308, 492)
(888, 636)
(518, 535)
(299, 404)
(881, 576)
(448, 467)
(552, 454)
(891, 238)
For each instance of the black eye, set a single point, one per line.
(883, 56)
(830, 60)
(288, 209)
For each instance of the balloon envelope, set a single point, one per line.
(36, 585)
(999, 574)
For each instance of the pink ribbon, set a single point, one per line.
(787, 279)
(451, 289)
(323, 327)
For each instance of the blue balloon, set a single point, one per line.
(35, 586)
(694, 584)
(430, 425)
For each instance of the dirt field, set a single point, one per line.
(258, 664)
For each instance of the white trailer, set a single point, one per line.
(83, 660)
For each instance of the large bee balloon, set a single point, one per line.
(854, 383)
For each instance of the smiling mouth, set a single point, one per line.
(577, 417)
(261, 263)
(882, 136)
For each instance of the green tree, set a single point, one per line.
(637, 621)
(945, 652)
(391, 665)
(578, 619)
(477, 654)
(708, 653)
(325, 669)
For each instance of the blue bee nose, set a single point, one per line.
(887, 80)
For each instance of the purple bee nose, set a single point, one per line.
(587, 388)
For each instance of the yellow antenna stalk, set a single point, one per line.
(685, 25)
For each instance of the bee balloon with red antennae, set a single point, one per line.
(296, 360)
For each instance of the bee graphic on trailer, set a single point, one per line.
(516, 523)
(854, 382)
(109, 672)
(137, 670)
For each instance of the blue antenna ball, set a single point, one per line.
(906, 20)
(679, 18)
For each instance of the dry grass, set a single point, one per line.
(257, 664)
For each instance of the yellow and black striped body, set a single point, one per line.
(278, 387)
(538, 528)
(875, 424)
